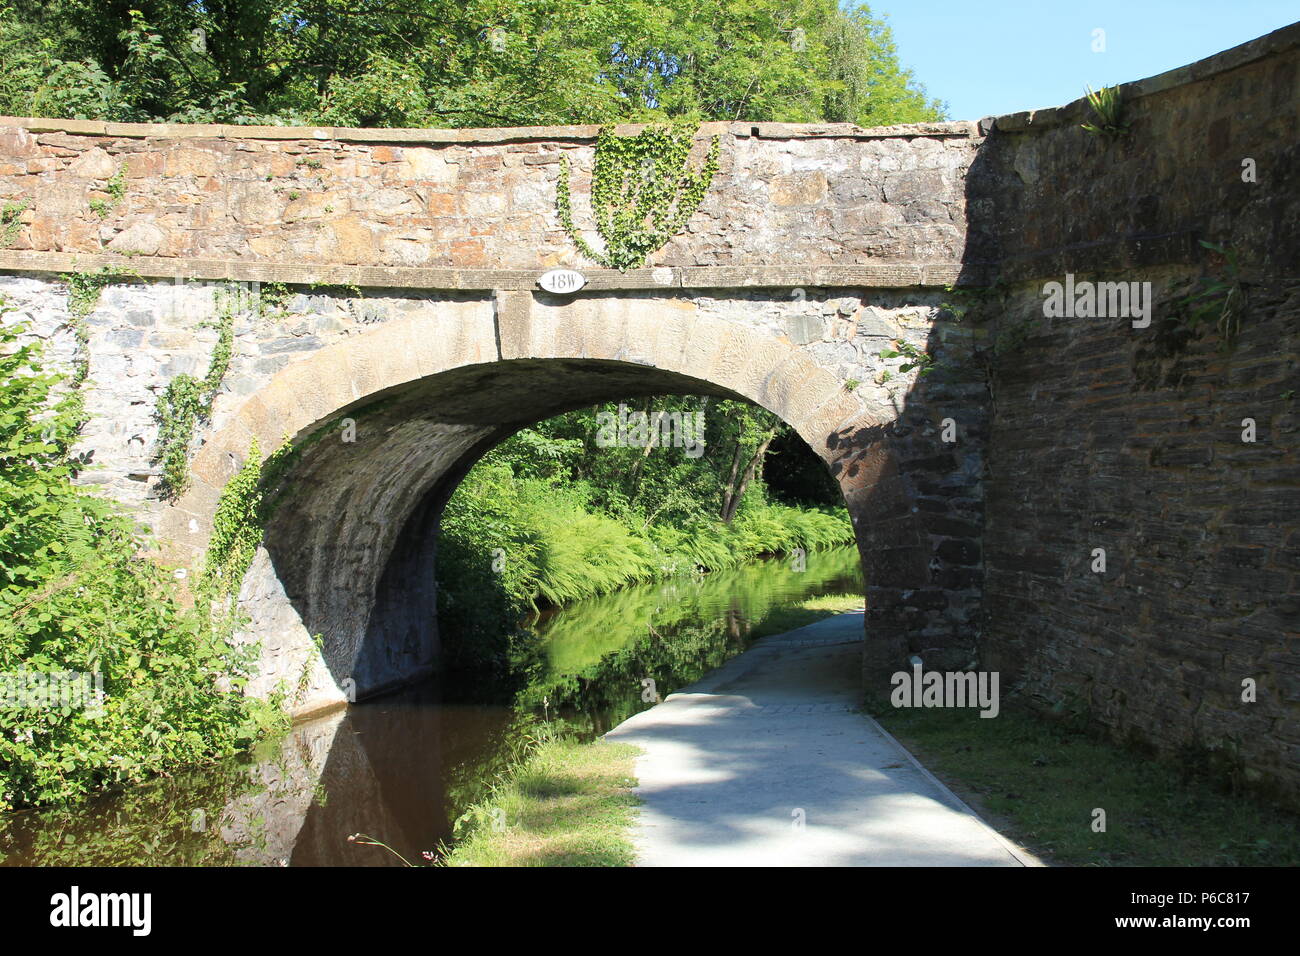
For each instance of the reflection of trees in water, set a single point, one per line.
(609, 693)
(580, 634)
(172, 821)
(582, 674)
(404, 768)
(237, 812)
(601, 650)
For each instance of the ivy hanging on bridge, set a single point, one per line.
(187, 402)
(642, 192)
(83, 295)
(242, 511)
(11, 222)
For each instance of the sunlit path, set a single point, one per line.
(769, 762)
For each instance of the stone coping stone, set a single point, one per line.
(881, 275)
(481, 136)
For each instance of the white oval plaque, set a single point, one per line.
(562, 281)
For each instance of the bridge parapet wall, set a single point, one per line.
(471, 199)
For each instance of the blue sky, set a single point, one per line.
(1000, 56)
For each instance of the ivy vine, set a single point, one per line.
(83, 295)
(116, 189)
(84, 287)
(186, 403)
(273, 298)
(243, 508)
(249, 500)
(642, 192)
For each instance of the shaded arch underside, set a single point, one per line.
(353, 543)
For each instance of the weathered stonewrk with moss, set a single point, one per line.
(816, 267)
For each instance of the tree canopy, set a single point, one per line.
(453, 63)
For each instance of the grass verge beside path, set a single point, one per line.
(1039, 782)
(568, 804)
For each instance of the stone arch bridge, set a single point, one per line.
(412, 257)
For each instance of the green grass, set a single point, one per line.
(1038, 782)
(805, 612)
(568, 804)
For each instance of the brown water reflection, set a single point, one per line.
(403, 768)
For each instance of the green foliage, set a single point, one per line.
(11, 222)
(177, 413)
(237, 527)
(186, 403)
(116, 189)
(970, 303)
(387, 93)
(46, 75)
(551, 517)
(674, 629)
(273, 297)
(349, 290)
(76, 595)
(571, 804)
(83, 295)
(84, 287)
(1040, 778)
(1220, 298)
(865, 83)
(642, 192)
(985, 307)
(455, 62)
(148, 823)
(1108, 109)
(916, 357)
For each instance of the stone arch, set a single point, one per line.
(349, 554)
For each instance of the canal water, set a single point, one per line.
(403, 769)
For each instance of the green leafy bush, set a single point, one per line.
(78, 595)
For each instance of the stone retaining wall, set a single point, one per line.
(1131, 439)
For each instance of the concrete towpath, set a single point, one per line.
(768, 761)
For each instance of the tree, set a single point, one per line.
(451, 63)
(752, 431)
